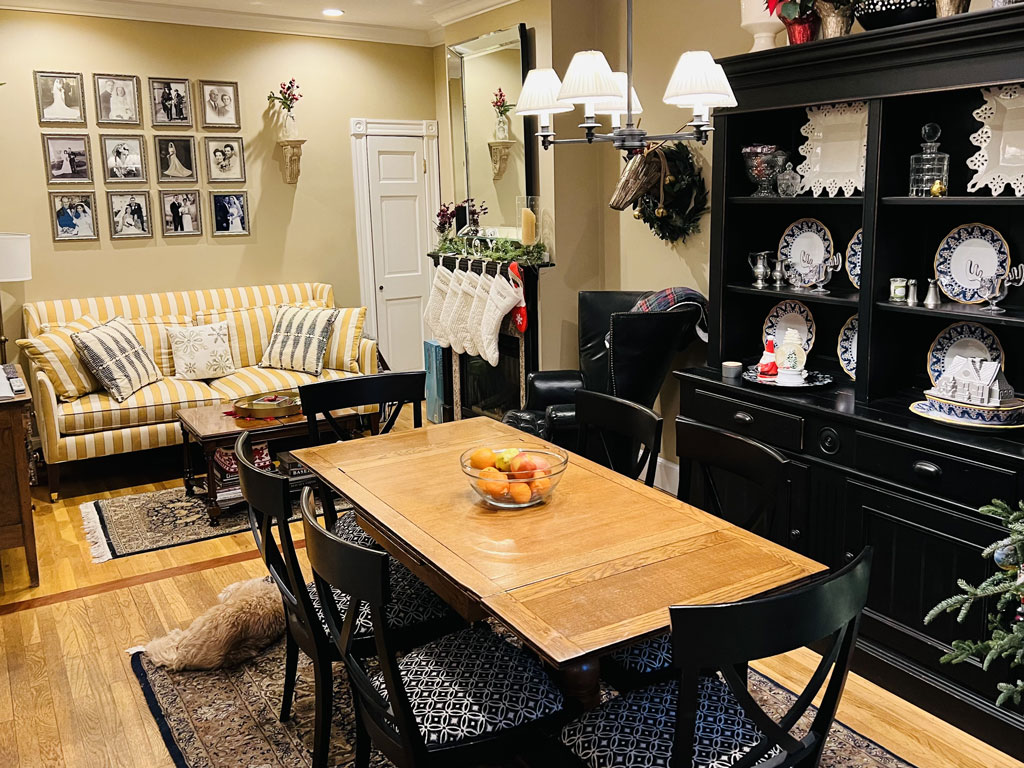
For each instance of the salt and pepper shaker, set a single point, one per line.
(932, 300)
(911, 292)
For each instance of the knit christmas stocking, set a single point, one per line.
(444, 323)
(438, 292)
(476, 313)
(503, 298)
(460, 317)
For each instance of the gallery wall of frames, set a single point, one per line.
(154, 180)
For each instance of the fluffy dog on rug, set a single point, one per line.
(248, 617)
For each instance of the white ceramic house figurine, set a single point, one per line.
(975, 381)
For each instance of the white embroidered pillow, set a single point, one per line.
(201, 351)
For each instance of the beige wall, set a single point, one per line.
(300, 232)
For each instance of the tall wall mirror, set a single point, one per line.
(493, 159)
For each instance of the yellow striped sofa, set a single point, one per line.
(97, 425)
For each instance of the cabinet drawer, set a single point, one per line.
(779, 429)
(961, 480)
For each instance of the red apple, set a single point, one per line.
(522, 466)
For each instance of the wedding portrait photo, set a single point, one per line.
(59, 97)
(170, 101)
(67, 158)
(129, 214)
(181, 212)
(220, 104)
(176, 158)
(230, 213)
(225, 159)
(73, 216)
(117, 99)
(124, 157)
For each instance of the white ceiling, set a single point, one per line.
(411, 22)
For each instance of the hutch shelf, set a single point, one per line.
(864, 470)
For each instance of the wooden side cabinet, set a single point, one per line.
(16, 526)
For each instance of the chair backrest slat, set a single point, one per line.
(619, 434)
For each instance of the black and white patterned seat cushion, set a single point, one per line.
(636, 730)
(651, 655)
(473, 683)
(412, 602)
(348, 528)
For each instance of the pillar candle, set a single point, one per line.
(529, 227)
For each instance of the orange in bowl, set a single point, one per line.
(516, 477)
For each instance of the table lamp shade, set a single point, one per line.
(540, 94)
(15, 258)
(699, 81)
(588, 80)
(618, 105)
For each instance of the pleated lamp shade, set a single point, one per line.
(588, 80)
(700, 82)
(540, 94)
(618, 104)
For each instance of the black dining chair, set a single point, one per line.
(712, 454)
(466, 699)
(703, 719)
(619, 434)
(389, 391)
(416, 613)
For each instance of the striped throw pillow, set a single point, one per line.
(116, 358)
(152, 332)
(343, 345)
(299, 339)
(54, 353)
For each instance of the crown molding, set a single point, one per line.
(465, 9)
(251, 22)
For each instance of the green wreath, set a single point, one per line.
(676, 214)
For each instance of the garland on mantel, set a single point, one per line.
(674, 207)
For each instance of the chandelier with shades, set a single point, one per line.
(698, 83)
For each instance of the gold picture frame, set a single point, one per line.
(61, 168)
(129, 101)
(50, 110)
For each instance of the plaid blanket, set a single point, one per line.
(669, 299)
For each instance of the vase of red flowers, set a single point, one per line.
(501, 108)
(799, 17)
(286, 100)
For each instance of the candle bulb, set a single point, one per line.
(528, 236)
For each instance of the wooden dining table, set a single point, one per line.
(592, 569)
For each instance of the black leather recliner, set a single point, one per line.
(632, 365)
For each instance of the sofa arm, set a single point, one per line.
(544, 388)
(44, 401)
(368, 356)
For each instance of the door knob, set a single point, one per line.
(380, 287)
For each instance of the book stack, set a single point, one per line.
(225, 470)
(299, 476)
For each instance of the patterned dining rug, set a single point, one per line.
(228, 718)
(146, 522)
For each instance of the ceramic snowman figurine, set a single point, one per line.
(791, 358)
(767, 368)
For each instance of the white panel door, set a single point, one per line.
(400, 226)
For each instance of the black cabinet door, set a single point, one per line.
(920, 552)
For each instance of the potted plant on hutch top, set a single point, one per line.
(799, 17)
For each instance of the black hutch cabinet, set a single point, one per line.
(865, 469)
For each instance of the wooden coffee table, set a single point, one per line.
(211, 428)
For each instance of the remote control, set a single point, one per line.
(10, 371)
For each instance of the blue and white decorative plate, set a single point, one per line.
(930, 410)
(848, 347)
(809, 244)
(853, 257)
(968, 254)
(813, 379)
(785, 315)
(966, 340)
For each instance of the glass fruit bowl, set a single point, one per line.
(514, 478)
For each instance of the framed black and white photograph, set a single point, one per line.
(67, 158)
(129, 214)
(73, 216)
(124, 157)
(176, 158)
(170, 101)
(225, 159)
(181, 215)
(220, 104)
(117, 100)
(59, 97)
(230, 213)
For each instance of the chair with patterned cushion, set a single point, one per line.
(619, 434)
(712, 720)
(390, 391)
(414, 613)
(468, 698)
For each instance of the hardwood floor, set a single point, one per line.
(68, 696)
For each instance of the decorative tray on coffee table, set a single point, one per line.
(271, 405)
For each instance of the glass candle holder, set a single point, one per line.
(898, 290)
(529, 216)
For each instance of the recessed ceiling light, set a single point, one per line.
(333, 12)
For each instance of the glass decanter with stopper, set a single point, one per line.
(929, 168)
